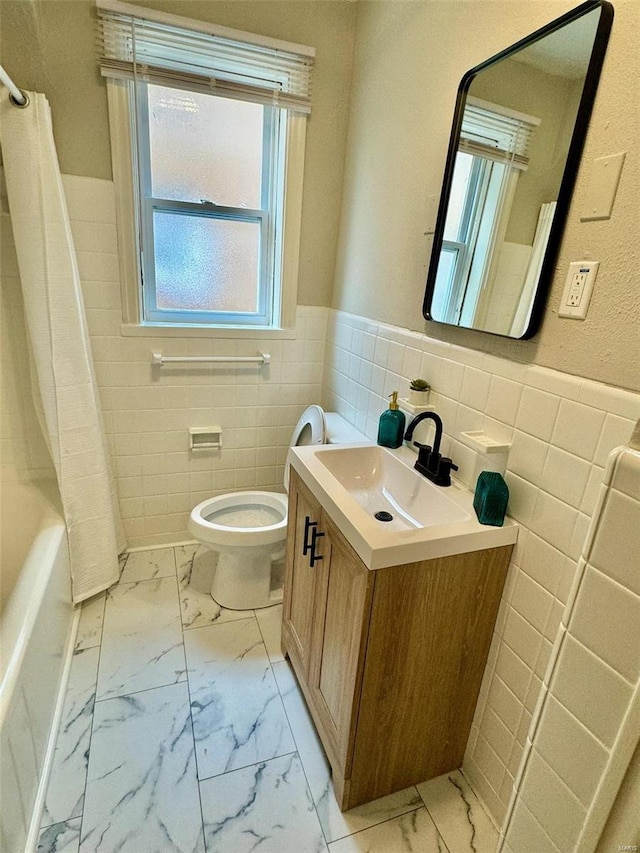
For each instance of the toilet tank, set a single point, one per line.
(340, 431)
(337, 431)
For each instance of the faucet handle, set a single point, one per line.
(422, 462)
(424, 452)
(445, 467)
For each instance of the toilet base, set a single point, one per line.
(243, 581)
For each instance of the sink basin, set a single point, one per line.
(354, 483)
(380, 482)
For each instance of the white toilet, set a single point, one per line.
(249, 529)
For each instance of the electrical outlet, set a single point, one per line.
(577, 289)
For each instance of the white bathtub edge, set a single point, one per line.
(33, 834)
(20, 616)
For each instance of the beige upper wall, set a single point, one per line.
(49, 46)
(410, 56)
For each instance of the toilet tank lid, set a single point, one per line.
(340, 431)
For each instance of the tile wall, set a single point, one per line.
(561, 429)
(148, 411)
(23, 451)
(579, 746)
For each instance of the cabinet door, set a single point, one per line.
(343, 602)
(299, 588)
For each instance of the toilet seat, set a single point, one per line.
(310, 429)
(207, 520)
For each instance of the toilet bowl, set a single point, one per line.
(249, 529)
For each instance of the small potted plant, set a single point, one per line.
(419, 392)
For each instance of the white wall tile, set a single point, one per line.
(505, 704)
(625, 404)
(504, 399)
(578, 429)
(475, 388)
(526, 835)
(569, 749)
(606, 619)
(626, 475)
(537, 413)
(553, 520)
(527, 456)
(522, 498)
(617, 541)
(452, 374)
(615, 432)
(532, 601)
(496, 733)
(513, 671)
(522, 638)
(552, 803)
(542, 562)
(493, 769)
(565, 476)
(581, 680)
(561, 384)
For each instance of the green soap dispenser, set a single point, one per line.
(391, 428)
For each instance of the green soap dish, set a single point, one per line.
(491, 498)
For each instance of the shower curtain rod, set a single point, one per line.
(17, 98)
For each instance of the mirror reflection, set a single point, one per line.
(501, 208)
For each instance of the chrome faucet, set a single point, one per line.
(430, 463)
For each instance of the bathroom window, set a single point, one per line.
(208, 143)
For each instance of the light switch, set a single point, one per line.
(602, 188)
(577, 289)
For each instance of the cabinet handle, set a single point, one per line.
(310, 546)
(315, 535)
(306, 545)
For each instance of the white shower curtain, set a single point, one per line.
(540, 240)
(61, 353)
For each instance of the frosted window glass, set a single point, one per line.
(458, 197)
(206, 264)
(203, 147)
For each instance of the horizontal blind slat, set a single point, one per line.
(496, 135)
(168, 52)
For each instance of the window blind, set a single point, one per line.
(495, 133)
(171, 50)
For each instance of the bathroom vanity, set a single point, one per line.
(389, 659)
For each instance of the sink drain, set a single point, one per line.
(383, 516)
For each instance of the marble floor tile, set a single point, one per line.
(238, 718)
(335, 824)
(460, 818)
(60, 837)
(195, 566)
(65, 793)
(266, 807)
(414, 832)
(142, 638)
(91, 620)
(270, 623)
(147, 565)
(142, 789)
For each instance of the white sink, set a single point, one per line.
(354, 482)
(380, 481)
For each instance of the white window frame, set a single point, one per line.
(120, 95)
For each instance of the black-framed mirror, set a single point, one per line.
(518, 131)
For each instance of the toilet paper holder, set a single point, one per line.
(205, 438)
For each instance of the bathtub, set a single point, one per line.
(36, 619)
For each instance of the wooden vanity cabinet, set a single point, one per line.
(389, 661)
